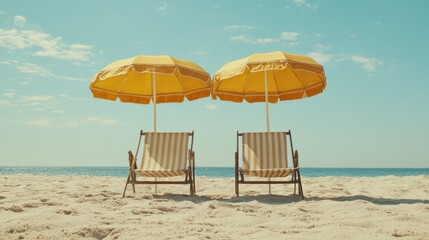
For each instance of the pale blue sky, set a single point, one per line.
(373, 113)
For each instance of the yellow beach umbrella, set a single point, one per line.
(161, 79)
(268, 77)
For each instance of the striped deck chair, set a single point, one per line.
(164, 155)
(265, 155)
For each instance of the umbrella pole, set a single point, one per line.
(268, 115)
(154, 115)
(154, 100)
(266, 101)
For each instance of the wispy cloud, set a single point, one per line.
(42, 44)
(239, 38)
(264, 40)
(10, 93)
(34, 69)
(98, 121)
(214, 6)
(15, 100)
(291, 36)
(37, 98)
(19, 20)
(321, 47)
(237, 27)
(39, 122)
(368, 64)
(71, 98)
(34, 102)
(243, 38)
(162, 8)
(321, 57)
(212, 107)
(325, 58)
(5, 103)
(59, 121)
(101, 121)
(305, 3)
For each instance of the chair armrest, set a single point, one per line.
(295, 159)
(131, 160)
(191, 158)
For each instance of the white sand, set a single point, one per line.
(82, 207)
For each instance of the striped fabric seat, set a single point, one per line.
(164, 155)
(265, 155)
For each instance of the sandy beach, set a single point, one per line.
(85, 207)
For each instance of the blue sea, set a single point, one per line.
(217, 172)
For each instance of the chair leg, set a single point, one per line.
(300, 190)
(126, 184)
(133, 177)
(237, 190)
(191, 187)
(195, 187)
(193, 174)
(294, 182)
(193, 182)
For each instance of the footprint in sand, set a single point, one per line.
(142, 212)
(67, 212)
(248, 209)
(15, 209)
(105, 193)
(96, 232)
(11, 185)
(397, 233)
(166, 209)
(30, 205)
(19, 229)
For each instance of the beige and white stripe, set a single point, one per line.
(265, 154)
(164, 155)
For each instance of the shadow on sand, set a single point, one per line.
(285, 199)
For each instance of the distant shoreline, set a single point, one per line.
(217, 172)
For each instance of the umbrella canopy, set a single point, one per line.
(269, 77)
(161, 79)
(288, 76)
(131, 80)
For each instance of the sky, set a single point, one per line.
(373, 113)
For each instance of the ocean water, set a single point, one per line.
(216, 171)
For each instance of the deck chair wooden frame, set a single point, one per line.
(294, 172)
(189, 171)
